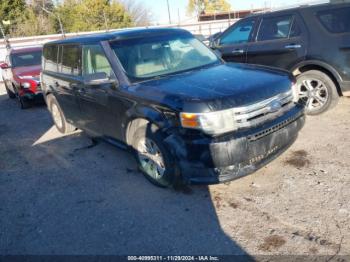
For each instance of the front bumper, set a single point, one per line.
(222, 159)
(30, 96)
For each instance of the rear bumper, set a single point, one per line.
(217, 160)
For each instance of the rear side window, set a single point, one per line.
(239, 34)
(95, 62)
(335, 20)
(274, 28)
(50, 58)
(71, 60)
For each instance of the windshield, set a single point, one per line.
(161, 55)
(26, 59)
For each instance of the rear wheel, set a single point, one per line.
(58, 117)
(317, 91)
(154, 160)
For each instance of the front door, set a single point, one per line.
(98, 114)
(280, 42)
(232, 44)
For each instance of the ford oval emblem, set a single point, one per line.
(275, 106)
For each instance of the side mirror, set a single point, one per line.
(215, 41)
(100, 79)
(4, 65)
(214, 44)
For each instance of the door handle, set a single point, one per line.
(238, 51)
(293, 46)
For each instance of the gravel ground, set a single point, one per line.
(65, 195)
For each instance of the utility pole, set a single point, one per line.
(106, 21)
(8, 45)
(169, 11)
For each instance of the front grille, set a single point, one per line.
(258, 113)
(271, 130)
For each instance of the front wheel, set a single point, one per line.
(154, 160)
(23, 103)
(317, 91)
(9, 92)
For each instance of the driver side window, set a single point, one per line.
(95, 62)
(239, 34)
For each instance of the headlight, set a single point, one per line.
(212, 123)
(26, 85)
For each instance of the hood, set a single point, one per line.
(31, 71)
(216, 88)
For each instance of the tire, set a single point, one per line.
(152, 134)
(23, 103)
(58, 117)
(9, 92)
(317, 91)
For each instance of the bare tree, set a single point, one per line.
(140, 13)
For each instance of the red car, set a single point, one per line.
(21, 74)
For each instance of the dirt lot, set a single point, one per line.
(63, 195)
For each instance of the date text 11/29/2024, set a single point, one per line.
(173, 258)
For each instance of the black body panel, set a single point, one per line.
(309, 42)
(105, 110)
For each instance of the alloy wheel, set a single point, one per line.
(313, 93)
(151, 158)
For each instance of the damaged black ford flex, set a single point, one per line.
(187, 115)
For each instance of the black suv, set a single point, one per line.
(163, 94)
(312, 42)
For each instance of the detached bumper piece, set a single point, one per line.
(218, 160)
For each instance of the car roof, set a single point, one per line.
(301, 7)
(25, 49)
(120, 35)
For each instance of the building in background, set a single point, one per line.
(229, 15)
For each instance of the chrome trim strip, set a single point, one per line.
(246, 109)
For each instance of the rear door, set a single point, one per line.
(232, 44)
(281, 41)
(335, 30)
(67, 80)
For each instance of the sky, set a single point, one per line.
(159, 8)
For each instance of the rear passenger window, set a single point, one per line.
(336, 20)
(71, 60)
(274, 28)
(50, 58)
(95, 62)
